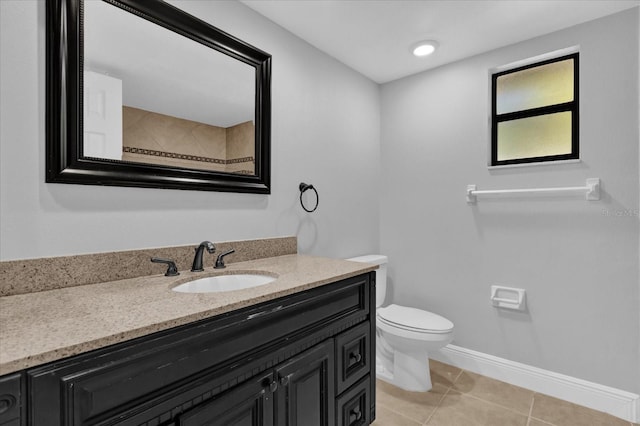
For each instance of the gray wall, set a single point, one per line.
(325, 125)
(578, 260)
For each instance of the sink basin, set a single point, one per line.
(221, 283)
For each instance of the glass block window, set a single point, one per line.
(535, 112)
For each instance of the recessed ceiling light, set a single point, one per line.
(424, 48)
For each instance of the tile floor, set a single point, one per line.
(462, 398)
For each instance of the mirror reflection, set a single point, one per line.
(154, 96)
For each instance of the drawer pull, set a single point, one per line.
(273, 386)
(284, 381)
(355, 356)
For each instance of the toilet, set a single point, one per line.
(405, 336)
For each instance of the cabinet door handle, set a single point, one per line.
(354, 415)
(6, 403)
(269, 384)
(284, 381)
(355, 356)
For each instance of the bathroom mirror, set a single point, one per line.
(140, 93)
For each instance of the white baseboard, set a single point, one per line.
(625, 405)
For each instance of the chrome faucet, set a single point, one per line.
(197, 259)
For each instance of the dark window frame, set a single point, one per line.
(535, 112)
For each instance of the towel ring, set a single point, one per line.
(303, 187)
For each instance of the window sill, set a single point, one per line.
(540, 163)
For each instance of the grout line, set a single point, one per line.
(393, 410)
(495, 404)
(437, 406)
(533, 401)
(458, 376)
(506, 407)
(531, 417)
(542, 421)
(533, 398)
(402, 415)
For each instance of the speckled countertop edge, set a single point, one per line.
(41, 327)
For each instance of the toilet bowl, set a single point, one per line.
(405, 336)
(410, 334)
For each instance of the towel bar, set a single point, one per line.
(592, 190)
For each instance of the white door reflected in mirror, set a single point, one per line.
(102, 116)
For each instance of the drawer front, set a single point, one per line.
(353, 355)
(248, 404)
(10, 399)
(353, 407)
(99, 386)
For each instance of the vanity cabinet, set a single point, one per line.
(300, 360)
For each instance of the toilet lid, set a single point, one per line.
(414, 319)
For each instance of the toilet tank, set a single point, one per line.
(381, 274)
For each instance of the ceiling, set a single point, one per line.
(374, 36)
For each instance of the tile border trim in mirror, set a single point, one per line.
(32, 275)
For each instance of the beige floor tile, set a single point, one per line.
(386, 417)
(536, 422)
(417, 406)
(442, 373)
(457, 409)
(562, 413)
(510, 396)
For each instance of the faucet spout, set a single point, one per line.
(197, 259)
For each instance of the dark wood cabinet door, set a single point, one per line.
(306, 392)
(11, 400)
(248, 404)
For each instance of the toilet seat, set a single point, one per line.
(414, 320)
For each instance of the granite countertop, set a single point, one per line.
(45, 326)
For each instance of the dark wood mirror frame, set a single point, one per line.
(64, 121)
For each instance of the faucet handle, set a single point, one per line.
(172, 269)
(220, 260)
